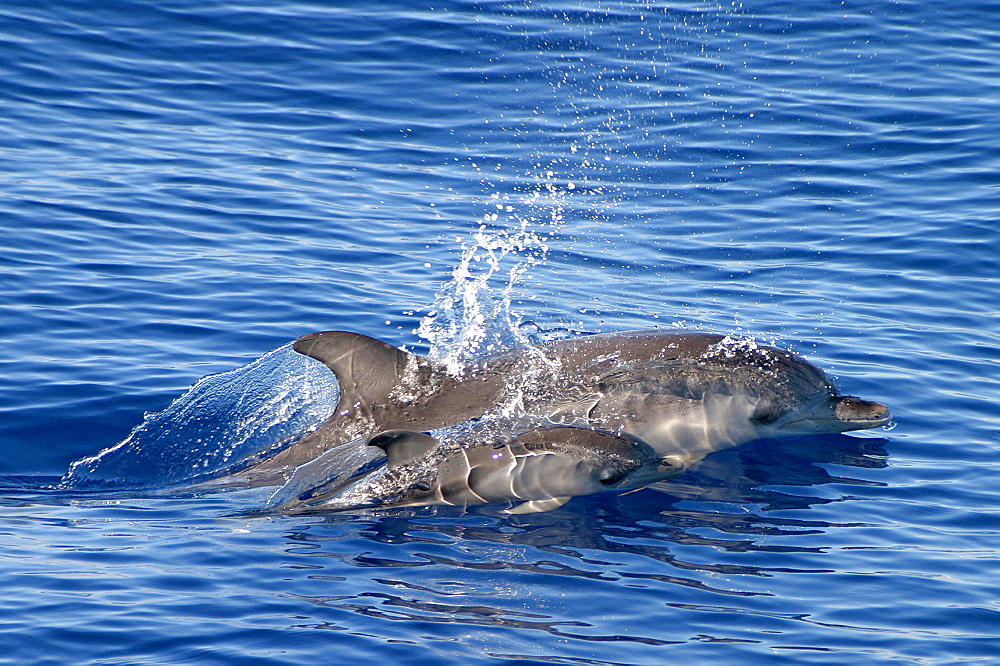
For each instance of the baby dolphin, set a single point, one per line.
(543, 468)
(685, 394)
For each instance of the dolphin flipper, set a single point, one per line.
(538, 506)
(404, 446)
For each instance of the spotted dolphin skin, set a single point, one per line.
(684, 394)
(543, 468)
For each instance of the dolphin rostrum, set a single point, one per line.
(685, 394)
(543, 467)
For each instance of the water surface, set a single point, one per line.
(186, 188)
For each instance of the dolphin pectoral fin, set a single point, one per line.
(538, 506)
(403, 446)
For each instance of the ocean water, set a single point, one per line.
(186, 187)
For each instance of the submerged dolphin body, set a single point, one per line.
(684, 394)
(543, 467)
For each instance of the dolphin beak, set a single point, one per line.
(862, 414)
(841, 414)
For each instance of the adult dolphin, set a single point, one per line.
(542, 467)
(685, 394)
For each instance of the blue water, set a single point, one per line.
(187, 186)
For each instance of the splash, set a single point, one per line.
(474, 314)
(734, 347)
(471, 317)
(223, 423)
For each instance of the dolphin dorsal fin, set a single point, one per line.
(366, 369)
(403, 446)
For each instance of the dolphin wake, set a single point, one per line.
(222, 423)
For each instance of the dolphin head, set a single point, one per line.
(823, 414)
(787, 395)
(650, 470)
(595, 460)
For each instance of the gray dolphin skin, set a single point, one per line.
(684, 394)
(543, 467)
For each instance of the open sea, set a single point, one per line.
(186, 187)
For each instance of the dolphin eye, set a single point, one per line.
(669, 462)
(766, 414)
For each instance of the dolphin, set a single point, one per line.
(544, 467)
(686, 394)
